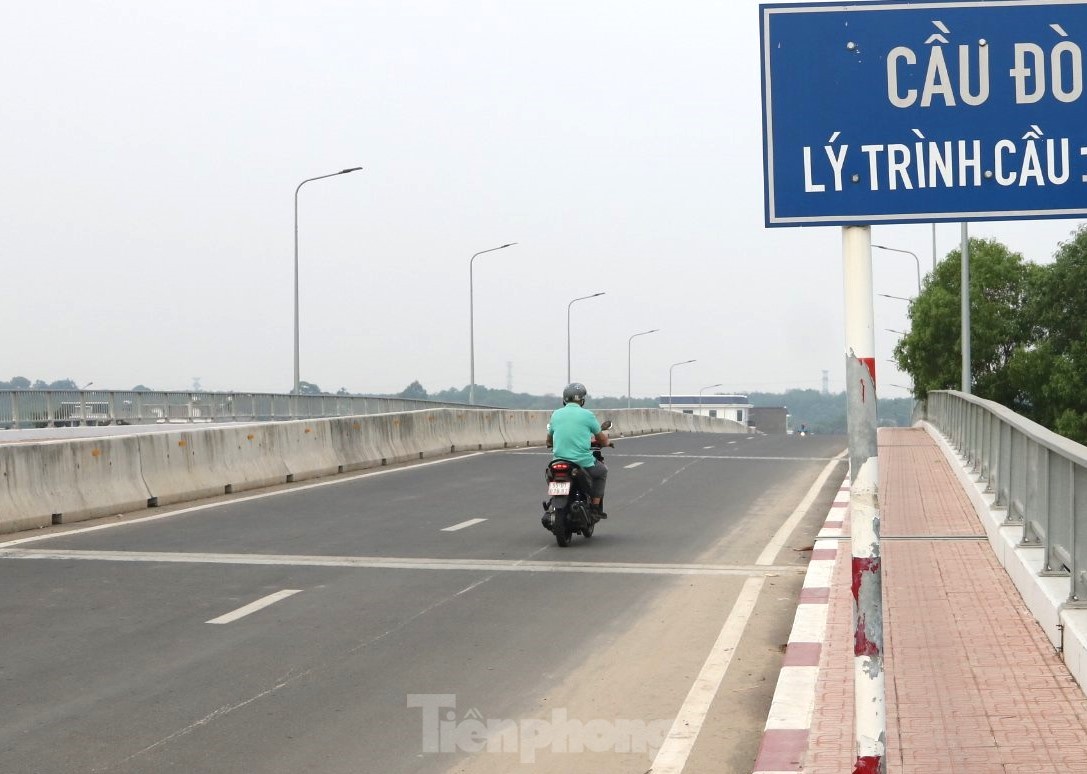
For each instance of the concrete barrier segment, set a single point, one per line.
(305, 447)
(354, 442)
(183, 465)
(57, 482)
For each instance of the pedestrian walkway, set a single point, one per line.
(973, 685)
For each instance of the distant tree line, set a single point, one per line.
(1028, 332)
(826, 412)
(485, 396)
(822, 413)
(22, 383)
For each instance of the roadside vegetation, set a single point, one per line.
(1028, 332)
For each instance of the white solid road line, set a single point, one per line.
(463, 524)
(707, 447)
(678, 452)
(673, 754)
(253, 607)
(633, 465)
(786, 529)
(400, 562)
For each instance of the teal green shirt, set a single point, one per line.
(572, 428)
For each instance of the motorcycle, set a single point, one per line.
(568, 510)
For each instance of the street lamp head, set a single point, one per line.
(508, 244)
(345, 171)
(594, 295)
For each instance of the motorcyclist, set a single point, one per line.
(570, 434)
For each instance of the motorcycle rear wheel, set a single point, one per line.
(561, 528)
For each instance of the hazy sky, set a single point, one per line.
(151, 152)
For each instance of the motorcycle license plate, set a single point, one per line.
(558, 488)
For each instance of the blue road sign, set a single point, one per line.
(900, 112)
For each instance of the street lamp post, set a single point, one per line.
(907, 252)
(472, 322)
(643, 333)
(683, 362)
(297, 378)
(594, 295)
(700, 396)
(934, 247)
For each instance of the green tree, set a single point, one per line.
(932, 350)
(308, 388)
(1052, 374)
(414, 391)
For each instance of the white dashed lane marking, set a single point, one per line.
(463, 524)
(253, 607)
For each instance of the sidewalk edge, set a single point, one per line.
(1044, 596)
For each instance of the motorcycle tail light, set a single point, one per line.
(560, 470)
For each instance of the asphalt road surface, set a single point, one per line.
(420, 619)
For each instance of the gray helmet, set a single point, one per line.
(575, 392)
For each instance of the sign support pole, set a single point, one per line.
(964, 300)
(869, 698)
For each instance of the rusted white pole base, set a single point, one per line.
(869, 699)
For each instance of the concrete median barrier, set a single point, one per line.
(306, 449)
(60, 481)
(354, 442)
(182, 466)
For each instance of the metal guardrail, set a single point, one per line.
(65, 408)
(1038, 476)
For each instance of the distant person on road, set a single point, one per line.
(570, 434)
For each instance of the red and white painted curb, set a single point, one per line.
(785, 738)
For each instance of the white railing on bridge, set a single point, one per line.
(65, 408)
(1038, 476)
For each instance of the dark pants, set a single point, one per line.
(598, 474)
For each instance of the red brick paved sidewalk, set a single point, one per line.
(973, 684)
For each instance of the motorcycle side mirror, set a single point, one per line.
(605, 425)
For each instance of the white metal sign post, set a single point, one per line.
(867, 586)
